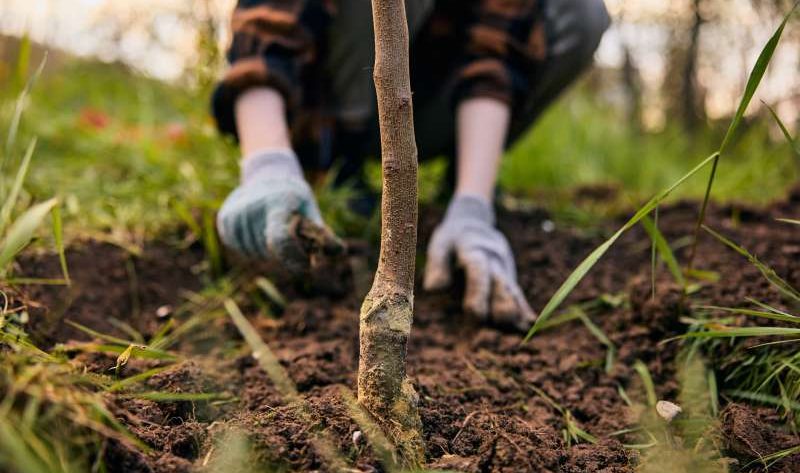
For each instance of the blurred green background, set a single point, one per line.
(131, 150)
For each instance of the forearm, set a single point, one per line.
(261, 121)
(482, 125)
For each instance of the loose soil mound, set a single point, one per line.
(479, 386)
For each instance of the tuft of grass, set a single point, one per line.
(52, 416)
(17, 228)
(572, 432)
(768, 372)
(586, 265)
(647, 382)
(690, 442)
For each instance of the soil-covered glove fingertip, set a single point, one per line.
(437, 265)
(282, 245)
(435, 278)
(478, 283)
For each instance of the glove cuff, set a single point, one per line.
(467, 206)
(271, 163)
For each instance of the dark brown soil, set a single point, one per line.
(479, 386)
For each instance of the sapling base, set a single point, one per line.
(383, 388)
(387, 312)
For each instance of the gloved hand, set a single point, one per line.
(467, 237)
(255, 218)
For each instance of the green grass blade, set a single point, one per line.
(576, 432)
(16, 187)
(58, 236)
(768, 307)
(22, 230)
(754, 80)
(702, 216)
(138, 352)
(647, 382)
(728, 332)
(664, 250)
(548, 400)
(99, 335)
(580, 272)
(283, 383)
(13, 129)
(713, 392)
(136, 337)
(261, 352)
(123, 358)
(756, 75)
(20, 454)
(755, 313)
(653, 258)
(624, 395)
(122, 432)
(769, 274)
(572, 281)
(211, 242)
(183, 212)
(160, 396)
(764, 398)
(788, 220)
(271, 291)
(132, 380)
(596, 331)
(783, 128)
(602, 338)
(36, 281)
(773, 458)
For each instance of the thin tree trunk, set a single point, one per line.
(693, 110)
(633, 89)
(387, 312)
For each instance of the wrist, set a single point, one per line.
(277, 163)
(470, 206)
(477, 190)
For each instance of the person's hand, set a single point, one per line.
(255, 219)
(467, 238)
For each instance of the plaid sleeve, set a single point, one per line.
(272, 41)
(504, 39)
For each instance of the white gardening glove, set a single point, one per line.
(467, 238)
(255, 218)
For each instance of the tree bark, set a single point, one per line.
(387, 312)
(693, 107)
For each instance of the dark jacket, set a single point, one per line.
(485, 47)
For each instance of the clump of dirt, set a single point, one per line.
(752, 433)
(486, 399)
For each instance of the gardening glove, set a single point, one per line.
(255, 218)
(467, 238)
